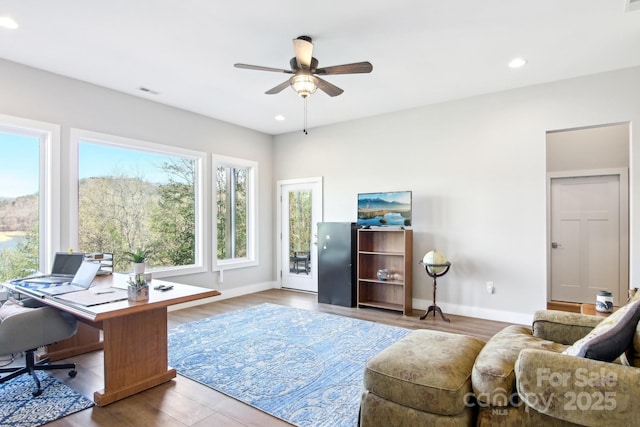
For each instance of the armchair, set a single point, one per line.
(24, 329)
(575, 389)
(527, 376)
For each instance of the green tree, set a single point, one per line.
(23, 259)
(120, 213)
(173, 221)
(231, 214)
(115, 216)
(300, 221)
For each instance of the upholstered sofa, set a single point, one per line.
(543, 375)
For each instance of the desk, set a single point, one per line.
(134, 335)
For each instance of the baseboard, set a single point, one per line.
(418, 304)
(227, 293)
(477, 312)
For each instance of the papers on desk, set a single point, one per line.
(94, 296)
(34, 286)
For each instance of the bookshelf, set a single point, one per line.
(391, 249)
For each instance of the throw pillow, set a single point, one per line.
(12, 307)
(611, 337)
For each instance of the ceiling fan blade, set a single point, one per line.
(304, 51)
(260, 68)
(328, 88)
(282, 86)
(355, 68)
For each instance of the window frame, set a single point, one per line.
(252, 213)
(49, 182)
(201, 190)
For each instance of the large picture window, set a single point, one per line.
(26, 184)
(235, 212)
(136, 195)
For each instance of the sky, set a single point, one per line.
(104, 160)
(19, 168)
(393, 196)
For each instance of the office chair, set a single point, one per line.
(24, 329)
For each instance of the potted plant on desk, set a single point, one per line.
(138, 289)
(138, 257)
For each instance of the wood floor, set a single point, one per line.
(183, 402)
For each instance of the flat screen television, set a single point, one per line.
(384, 209)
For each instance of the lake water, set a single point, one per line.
(392, 218)
(11, 243)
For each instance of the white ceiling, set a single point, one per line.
(422, 51)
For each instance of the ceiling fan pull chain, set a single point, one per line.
(305, 117)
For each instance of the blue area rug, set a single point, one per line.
(18, 407)
(301, 366)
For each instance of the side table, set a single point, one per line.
(591, 309)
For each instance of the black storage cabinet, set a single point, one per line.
(337, 250)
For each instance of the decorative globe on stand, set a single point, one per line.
(436, 265)
(432, 259)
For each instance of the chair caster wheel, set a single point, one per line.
(73, 373)
(36, 393)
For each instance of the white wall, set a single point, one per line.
(476, 168)
(38, 95)
(477, 171)
(601, 147)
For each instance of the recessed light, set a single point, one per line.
(8, 22)
(279, 117)
(517, 62)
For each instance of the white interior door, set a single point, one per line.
(585, 238)
(300, 211)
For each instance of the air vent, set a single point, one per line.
(147, 90)
(633, 5)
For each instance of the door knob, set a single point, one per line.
(555, 245)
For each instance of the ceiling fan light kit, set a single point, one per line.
(304, 68)
(304, 84)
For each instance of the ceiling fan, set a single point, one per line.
(304, 68)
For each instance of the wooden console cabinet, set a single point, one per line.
(391, 249)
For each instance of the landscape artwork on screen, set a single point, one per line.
(384, 209)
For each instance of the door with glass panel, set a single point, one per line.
(300, 212)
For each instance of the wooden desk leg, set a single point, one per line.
(135, 355)
(86, 340)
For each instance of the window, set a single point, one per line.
(137, 195)
(26, 208)
(235, 212)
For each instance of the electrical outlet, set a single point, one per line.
(490, 288)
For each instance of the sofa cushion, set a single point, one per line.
(633, 352)
(426, 370)
(493, 374)
(611, 337)
(376, 412)
(562, 327)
